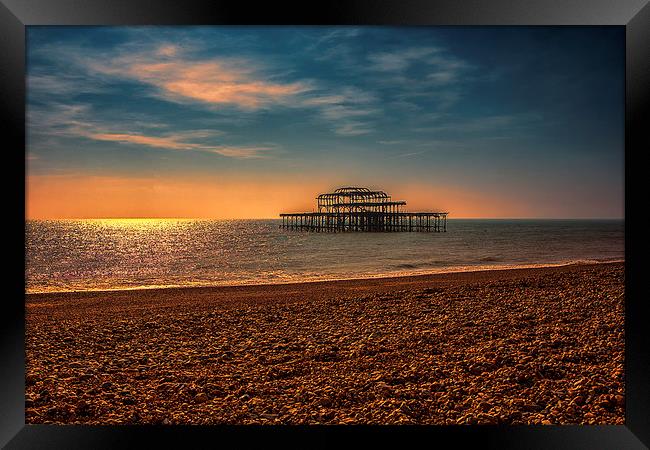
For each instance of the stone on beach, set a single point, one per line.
(535, 346)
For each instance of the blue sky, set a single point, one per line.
(520, 121)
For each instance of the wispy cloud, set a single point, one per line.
(243, 152)
(168, 50)
(393, 142)
(43, 84)
(408, 154)
(334, 36)
(435, 66)
(446, 70)
(240, 83)
(496, 123)
(179, 74)
(175, 72)
(428, 74)
(58, 119)
(171, 141)
(175, 142)
(400, 60)
(335, 46)
(350, 112)
(353, 128)
(218, 82)
(55, 121)
(61, 120)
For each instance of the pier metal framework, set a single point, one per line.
(362, 209)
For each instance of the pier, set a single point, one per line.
(362, 209)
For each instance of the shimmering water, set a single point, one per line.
(71, 255)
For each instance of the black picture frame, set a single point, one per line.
(15, 15)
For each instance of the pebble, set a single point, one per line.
(528, 349)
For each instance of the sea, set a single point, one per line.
(115, 254)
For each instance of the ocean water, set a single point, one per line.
(81, 255)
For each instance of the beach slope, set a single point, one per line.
(518, 346)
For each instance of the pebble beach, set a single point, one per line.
(516, 346)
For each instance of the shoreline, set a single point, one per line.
(255, 284)
(126, 302)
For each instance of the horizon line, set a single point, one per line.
(278, 218)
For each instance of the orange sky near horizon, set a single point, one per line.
(84, 197)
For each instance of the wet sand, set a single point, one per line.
(517, 346)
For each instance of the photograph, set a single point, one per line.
(325, 225)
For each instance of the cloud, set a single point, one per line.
(393, 142)
(335, 46)
(446, 69)
(242, 152)
(237, 82)
(58, 119)
(337, 34)
(182, 73)
(223, 81)
(422, 74)
(334, 112)
(350, 111)
(400, 60)
(502, 123)
(437, 68)
(174, 142)
(167, 50)
(75, 120)
(170, 142)
(352, 128)
(406, 155)
(48, 84)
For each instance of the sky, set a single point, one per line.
(250, 122)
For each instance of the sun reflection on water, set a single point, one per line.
(132, 253)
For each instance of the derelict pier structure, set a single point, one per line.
(362, 209)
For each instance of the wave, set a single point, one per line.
(490, 259)
(407, 266)
(321, 278)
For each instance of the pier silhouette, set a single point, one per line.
(361, 209)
